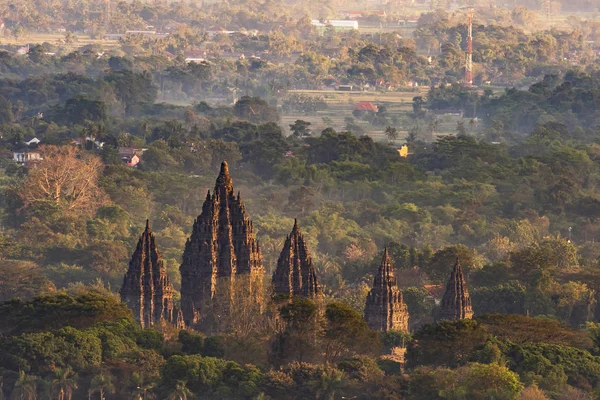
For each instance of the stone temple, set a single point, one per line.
(456, 303)
(295, 274)
(146, 288)
(385, 308)
(222, 262)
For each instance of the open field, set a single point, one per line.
(341, 104)
(58, 39)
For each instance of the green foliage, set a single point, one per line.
(40, 352)
(391, 339)
(448, 344)
(150, 339)
(192, 343)
(60, 310)
(213, 347)
(211, 378)
(522, 329)
(346, 333)
(439, 267)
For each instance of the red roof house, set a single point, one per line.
(366, 106)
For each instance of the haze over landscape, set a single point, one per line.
(285, 199)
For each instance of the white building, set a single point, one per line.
(337, 24)
(25, 158)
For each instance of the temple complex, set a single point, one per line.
(222, 262)
(295, 274)
(456, 303)
(146, 288)
(385, 308)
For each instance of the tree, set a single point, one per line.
(6, 112)
(391, 133)
(66, 180)
(22, 279)
(180, 392)
(300, 199)
(79, 110)
(533, 393)
(132, 88)
(448, 344)
(330, 382)
(255, 109)
(346, 333)
(102, 383)
(473, 381)
(298, 341)
(25, 387)
(63, 383)
(141, 386)
(418, 107)
(439, 267)
(300, 128)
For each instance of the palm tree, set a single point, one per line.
(63, 383)
(102, 383)
(140, 387)
(391, 133)
(25, 387)
(331, 380)
(181, 392)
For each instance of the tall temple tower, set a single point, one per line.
(222, 254)
(295, 274)
(385, 309)
(146, 288)
(456, 303)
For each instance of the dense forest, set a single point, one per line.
(94, 141)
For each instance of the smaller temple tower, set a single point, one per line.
(456, 303)
(385, 308)
(295, 274)
(146, 288)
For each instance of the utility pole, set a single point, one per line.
(107, 12)
(469, 59)
(547, 8)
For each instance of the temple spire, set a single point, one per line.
(385, 309)
(295, 274)
(224, 179)
(456, 303)
(146, 288)
(221, 251)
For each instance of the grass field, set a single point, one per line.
(58, 39)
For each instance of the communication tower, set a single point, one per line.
(107, 12)
(469, 58)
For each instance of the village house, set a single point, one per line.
(33, 141)
(365, 107)
(27, 158)
(83, 142)
(130, 155)
(336, 24)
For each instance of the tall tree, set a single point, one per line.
(66, 179)
(25, 387)
(102, 383)
(180, 392)
(63, 383)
